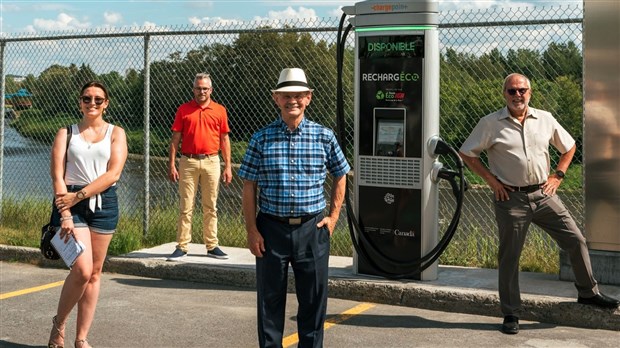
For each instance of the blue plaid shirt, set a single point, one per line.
(290, 167)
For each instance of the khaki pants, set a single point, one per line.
(192, 172)
(549, 213)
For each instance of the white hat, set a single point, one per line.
(292, 80)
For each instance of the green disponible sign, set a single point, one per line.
(392, 46)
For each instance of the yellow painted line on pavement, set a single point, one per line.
(30, 290)
(346, 315)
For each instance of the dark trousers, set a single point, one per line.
(549, 213)
(306, 248)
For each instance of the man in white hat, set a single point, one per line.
(288, 160)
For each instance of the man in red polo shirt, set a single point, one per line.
(200, 130)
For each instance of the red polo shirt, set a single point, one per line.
(201, 128)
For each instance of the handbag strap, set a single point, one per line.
(69, 134)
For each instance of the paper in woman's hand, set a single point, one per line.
(68, 251)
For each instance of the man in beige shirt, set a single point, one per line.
(516, 139)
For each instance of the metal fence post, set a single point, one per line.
(147, 134)
(2, 112)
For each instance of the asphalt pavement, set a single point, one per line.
(546, 299)
(136, 311)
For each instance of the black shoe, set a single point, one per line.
(177, 255)
(510, 325)
(599, 300)
(217, 253)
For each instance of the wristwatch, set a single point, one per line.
(81, 195)
(560, 174)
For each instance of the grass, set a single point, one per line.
(22, 223)
(479, 249)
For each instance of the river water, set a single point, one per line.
(26, 175)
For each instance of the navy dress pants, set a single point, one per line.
(306, 248)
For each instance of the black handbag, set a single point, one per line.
(48, 231)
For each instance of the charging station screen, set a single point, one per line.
(390, 68)
(390, 132)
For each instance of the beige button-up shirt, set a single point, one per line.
(518, 154)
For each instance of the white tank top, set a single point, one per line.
(88, 161)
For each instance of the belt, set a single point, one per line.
(291, 220)
(199, 155)
(527, 189)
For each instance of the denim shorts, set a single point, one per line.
(103, 220)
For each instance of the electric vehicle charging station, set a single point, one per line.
(397, 139)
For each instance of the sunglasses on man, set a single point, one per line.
(513, 91)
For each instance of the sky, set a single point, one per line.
(38, 17)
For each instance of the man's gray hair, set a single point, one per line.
(202, 76)
(529, 84)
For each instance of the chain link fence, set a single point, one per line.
(150, 73)
(479, 49)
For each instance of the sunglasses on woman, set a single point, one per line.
(88, 100)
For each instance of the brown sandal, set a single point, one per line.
(82, 344)
(57, 331)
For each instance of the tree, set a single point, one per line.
(250, 70)
(170, 87)
(563, 60)
(83, 75)
(132, 100)
(117, 92)
(491, 64)
(55, 91)
(464, 99)
(11, 85)
(525, 61)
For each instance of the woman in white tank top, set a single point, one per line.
(86, 205)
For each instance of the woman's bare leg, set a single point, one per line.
(87, 304)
